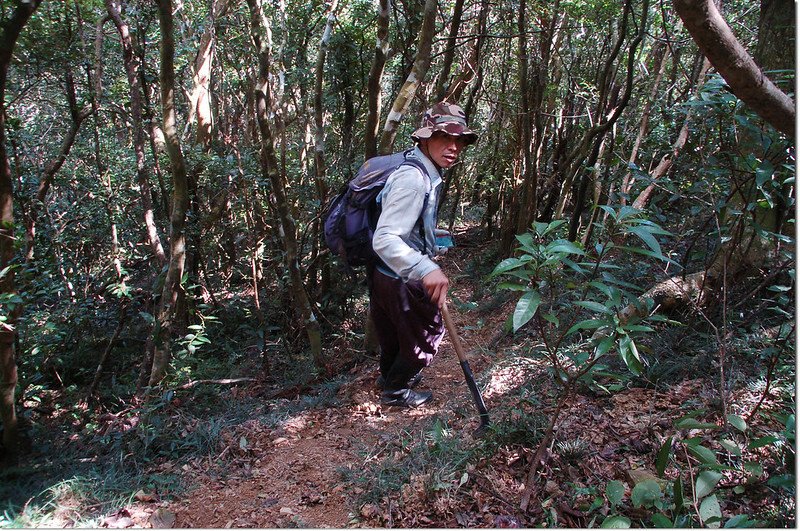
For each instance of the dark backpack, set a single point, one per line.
(353, 214)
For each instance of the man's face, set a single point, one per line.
(443, 149)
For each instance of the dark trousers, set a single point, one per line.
(409, 327)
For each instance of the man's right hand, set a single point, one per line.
(436, 284)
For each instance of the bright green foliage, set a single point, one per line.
(716, 454)
(577, 292)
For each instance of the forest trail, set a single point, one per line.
(290, 476)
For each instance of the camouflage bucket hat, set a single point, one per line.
(447, 118)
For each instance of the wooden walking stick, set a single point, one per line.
(462, 359)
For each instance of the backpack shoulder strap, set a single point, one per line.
(415, 162)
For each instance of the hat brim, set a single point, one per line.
(451, 129)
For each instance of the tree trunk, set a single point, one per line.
(132, 66)
(180, 201)
(261, 34)
(775, 49)
(418, 72)
(10, 30)
(442, 85)
(374, 83)
(524, 188)
(200, 98)
(718, 43)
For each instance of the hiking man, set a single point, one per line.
(408, 288)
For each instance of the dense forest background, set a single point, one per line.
(165, 169)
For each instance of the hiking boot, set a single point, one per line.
(405, 398)
(412, 382)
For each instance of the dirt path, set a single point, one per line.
(290, 476)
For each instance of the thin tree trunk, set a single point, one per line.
(10, 30)
(443, 85)
(261, 34)
(180, 201)
(200, 97)
(418, 72)
(132, 67)
(374, 82)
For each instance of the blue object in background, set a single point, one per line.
(444, 241)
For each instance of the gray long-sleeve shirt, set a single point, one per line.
(397, 238)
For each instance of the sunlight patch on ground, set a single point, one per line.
(503, 379)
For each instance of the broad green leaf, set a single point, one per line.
(550, 318)
(525, 239)
(677, 495)
(603, 288)
(629, 356)
(553, 225)
(785, 481)
(572, 265)
(595, 306)
(764, 172)
(511, 286)
(706, 481)
(739, 521)
(710, 512)
(737, 422)
(703, 454)
(526, 308)
(762, 441)
(720, 468)
(647, 238)
(637, 328)
(731, 447)
(616, 522)
(603, 346)
(653, 227)
(634, 350)
(564, 246)
(5, 271)
(521, 274)
(627, 211)
(663, 457)
(645, 493)
(587, 324)
(661, 521)
(610, 211)
(753, 468)
(615, 490)
(648, 252)
(506, 265)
